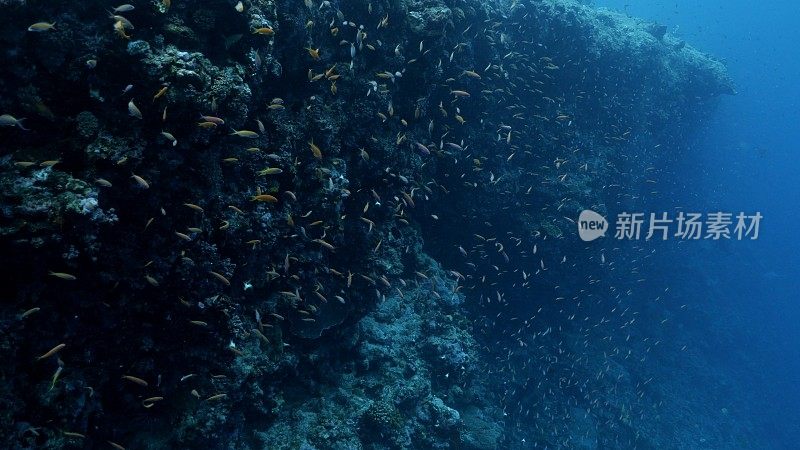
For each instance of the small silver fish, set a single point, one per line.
(133, 110)
(55, 377)
(123, 8)
(170, 137)
(7, 120)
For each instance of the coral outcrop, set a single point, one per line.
(224, 213)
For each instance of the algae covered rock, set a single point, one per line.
(429, 18)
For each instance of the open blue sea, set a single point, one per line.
(744, 159)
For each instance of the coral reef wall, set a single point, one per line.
(215, 215)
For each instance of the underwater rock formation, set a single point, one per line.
(225, 216)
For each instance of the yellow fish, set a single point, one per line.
(264, 198)
(315, 150)
(42, 26)
(313, 52)
(245, 134)
(63, 276)
(264, 31)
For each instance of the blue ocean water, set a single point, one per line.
(746, 160)
(392, 261)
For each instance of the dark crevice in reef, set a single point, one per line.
(258, 295)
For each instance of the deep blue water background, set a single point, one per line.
(746, 160)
